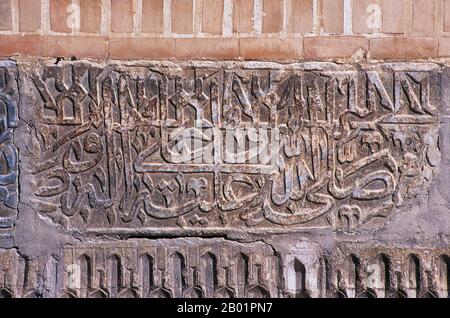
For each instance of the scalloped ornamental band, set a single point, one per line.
(209, 148)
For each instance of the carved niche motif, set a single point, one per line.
(212, 147)
(8, 152)
(198, 268)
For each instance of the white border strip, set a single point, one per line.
(348, 17)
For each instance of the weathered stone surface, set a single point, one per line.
(258, 179)
(9, 99)
(135, 148)
(196, 268)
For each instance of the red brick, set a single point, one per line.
(270, 49)
(122, 12)
(331, 47)
(393, 16)
(423, 16)
(142, 48)
(59, 15)
(29, 15)
(182, 16)
(91, 15)
(207, 48)
(5, 15)
(212, 16)
(333, 16)
(79, 46)
(20, 44)
(397, 48)
(446, 15)
(362, 13)
(272, 21)
(152, 16)
(243, 16)
(302, 16)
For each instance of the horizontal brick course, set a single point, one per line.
(141, 48)
(229, 29)
(207, 48)
(271, 49)
(398, 48)
(75, 46)
(326, 48)
(11, 45)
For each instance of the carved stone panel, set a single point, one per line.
(193, 269)
(198, 268)
(9, 119)
(224, 179)
(206, 148)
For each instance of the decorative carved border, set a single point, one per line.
(9, 120)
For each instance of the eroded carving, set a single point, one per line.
(220, 147)
(221, 269)
(9, 120)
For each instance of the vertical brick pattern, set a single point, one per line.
(5, 15)
(182, 16)
(393, 16)
(272, 21)
(152, 16)
(212, 16)
(446, 15)
(302, 16)
(91, 15)
(423, 16)
(122, 12)
(59, 15)
(333, 16)
(366, 16)
(243, 16)
(29, 15)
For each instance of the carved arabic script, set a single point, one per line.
(220, 147)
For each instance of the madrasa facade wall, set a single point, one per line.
(260, 149)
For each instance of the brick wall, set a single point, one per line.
(226, 29)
